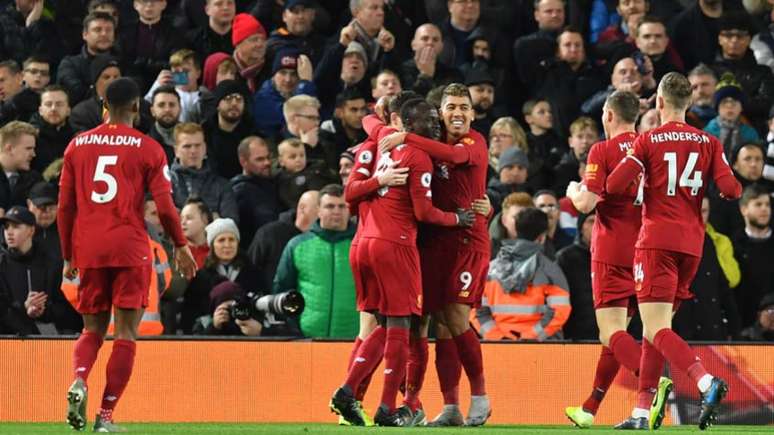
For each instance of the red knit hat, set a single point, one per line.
(245, 26)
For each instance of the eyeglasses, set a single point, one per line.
(312, 117)
(233, 97)
(500, 136)
(35, 71)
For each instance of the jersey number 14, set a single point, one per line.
(688, 178)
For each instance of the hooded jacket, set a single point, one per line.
(525, 296)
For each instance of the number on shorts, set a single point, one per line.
(100, 175)
(466, 278)
(639, 273)
(688, 178)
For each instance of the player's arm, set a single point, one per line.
(628, 169)
(419, 180)
(360, 183)
(585, 195)
(65, 214)
(724, 178)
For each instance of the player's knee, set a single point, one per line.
(367, 324)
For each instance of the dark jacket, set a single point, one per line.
(169, 147)
(530, 50)
(267, 246)
(147, 65)
(497, 233)
(89, 113)
(267, 106)
(258, 202)
(755, 257)
(20, 107)
(712, 313)
(51, 142)
(34, 270)
(213, 189)
(47, 240)
(694, 35)
(207, 42)
(18, 194)
(291, 186)
(497, 191)
(566, 90)
(74, 73)
(312, 45)
(757, 82)
(575, 262)
(411, 79)
(565, 171)
(222, 145)
(17, 41)
(544, 153)
(335, 140)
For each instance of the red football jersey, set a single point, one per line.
(393, 213)
(678, 162)
(618, 218)
(105, 176)
(360, 184)
(457, 187)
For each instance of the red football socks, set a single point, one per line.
(85, 353)
(368, 358)
(469, 351)
(449, 368)
(678, 353)
(119, 370)
(607, 368)
(415, 371)
(651, 368)
(353, 354)
(395, 358)
(626, 350)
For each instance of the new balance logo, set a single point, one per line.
(387, 371)
(360, 359)
(111, 398)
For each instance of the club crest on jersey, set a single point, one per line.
(426, 179)
(366, 157)
(468, 141)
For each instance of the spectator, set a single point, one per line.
(761, 45)
(756, 81)
(74, 73)
(545, 148)
(191, 178)
(482, 91)
(194, 218)
(25, 30)
(342, 67)
(575, 262)
(297, 33)
(505, 133)
(52, 122)
(11, 85)
(23, 104)
(556, 239)
(302, 121)
(346, 164)
(31, 302)
(43, 203)
(255, 189)
(540, 45)
(703, 83)
(147, 41)
(367, 29)
(424, 71)
(627, 11)
(183, 73)
(222, 297)
(217, 68)
(316, 263)
(729, 126)
(345, 129)
(652, 41)
(754, 250)
(712, 313)
(17, 149)
(522, 275)
(386, 83)
(648, 121)
(225, 262)
(216, 35)
(270, 240)
(626, 76)
(763, 329)
(513, 174)
(503, 226)
(747, 163)
(296, 175)
(695, 32)
(165, 109)
(291, 75)
(249, 39)
(226, 128)
(583, 134)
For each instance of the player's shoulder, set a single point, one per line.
(365, 152)
(473, 137)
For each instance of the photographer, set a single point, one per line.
(220, 321)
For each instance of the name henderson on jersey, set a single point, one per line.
(678, 136)
(104, 139)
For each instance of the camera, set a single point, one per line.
(255, 306)
(180, 78)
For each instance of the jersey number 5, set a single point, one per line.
(100, 175)
(688, 178)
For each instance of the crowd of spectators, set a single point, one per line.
(258, 107)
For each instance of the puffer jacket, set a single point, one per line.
(203, 183)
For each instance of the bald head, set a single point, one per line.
(306, 210)
(427, 35)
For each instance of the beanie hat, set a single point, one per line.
(101, 63)
(220, 226)
(355, 47)
(245, 26)
(285, 59)
(728, 87)
(223, 292)
(511, 157)
(229, 87)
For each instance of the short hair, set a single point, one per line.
(331, 190)
(56, 88)
(751, 192)
(702, 70)
(35, 58)
(292, 142)
(201, 205)
(581, 124)
(94, 16)
(243, 150)
(625, 104)
(296, 103)
(536, 3)
(531, 223)
(570, 28)
(348, 94)
(384, 71)
(435, 96)
(121, 94)
(412, 108)
(676, 90)
(521, 199)
(165, 89)
(14, 130)
(455, 90)
(749, 144)
(509, 122)
(400, 99)
(177, 58)
(187, 128)
(545, 192)
(94, 4)
(651, 19)
(529, 105)
(11, 65)
(355, 5)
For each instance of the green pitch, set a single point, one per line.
(315, 428)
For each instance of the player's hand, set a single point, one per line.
(391, 141)
(304, 68)
(250, 327)
(465, 218)
(222, 315)
(184, 262)
(482, 206)
(393, 175)
(572, 189)
(69, 272)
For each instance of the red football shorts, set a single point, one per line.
(391, 278)
(354, 264)
(450, 277)
(612, 285)
(663, 276)
(106, 287)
